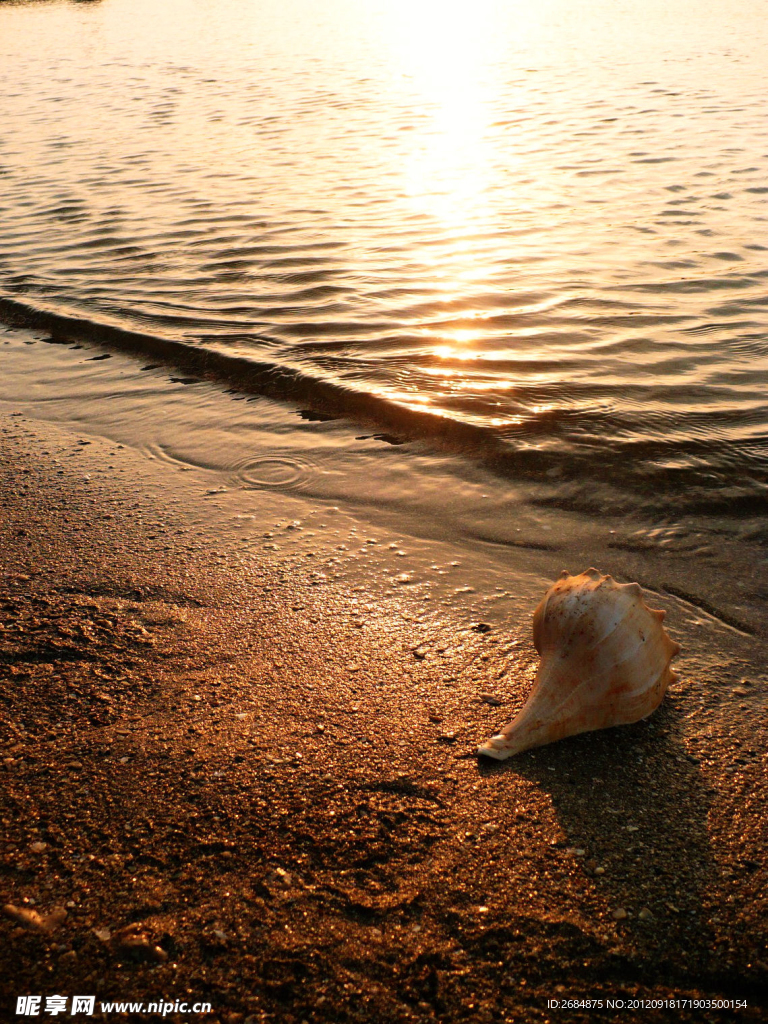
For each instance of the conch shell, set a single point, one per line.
(604, 661)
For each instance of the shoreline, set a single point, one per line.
(247, 463)
(257, 785)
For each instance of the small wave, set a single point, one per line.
(592, 457)
(268, 378)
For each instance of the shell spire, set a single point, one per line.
(605, 661)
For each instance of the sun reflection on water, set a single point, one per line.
(453, 59)
(451, 53)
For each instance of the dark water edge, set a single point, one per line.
(589, 474)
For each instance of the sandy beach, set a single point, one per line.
(228, 782)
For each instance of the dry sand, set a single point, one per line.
(257, 787)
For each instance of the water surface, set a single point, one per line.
(545, 224)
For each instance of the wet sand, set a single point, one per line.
(255, 785)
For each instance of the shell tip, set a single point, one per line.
(496, 747)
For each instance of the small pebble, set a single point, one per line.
(619, 914)
(142, 949)
(29, 919)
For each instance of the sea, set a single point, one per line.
(492, 274)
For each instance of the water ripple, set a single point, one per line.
(546, 251)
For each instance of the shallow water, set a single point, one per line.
(399, 519)
(536, 233)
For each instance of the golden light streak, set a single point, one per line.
(450, 53)
(454, 63)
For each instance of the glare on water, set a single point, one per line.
(542, 220)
